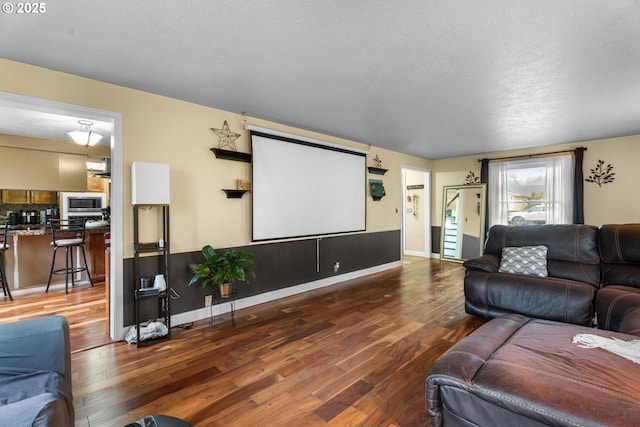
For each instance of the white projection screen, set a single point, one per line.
(306, 189)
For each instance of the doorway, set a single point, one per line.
(115, 317)
(416, 212)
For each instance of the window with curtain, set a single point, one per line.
(532, 191)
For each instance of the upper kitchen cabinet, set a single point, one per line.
(72, 169)
(25, 197)
(95, 184)
(39, 197)
(18, 197)
(24, 169)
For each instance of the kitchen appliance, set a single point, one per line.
(13, 218)
(29, 216)
(83, 205)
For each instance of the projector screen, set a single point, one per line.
(302, 188)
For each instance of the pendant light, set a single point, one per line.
(85, 136)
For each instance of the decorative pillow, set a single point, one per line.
(527, 260)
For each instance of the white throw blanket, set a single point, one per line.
(148, 331)
(628, 349)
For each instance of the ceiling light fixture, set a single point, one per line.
(85, 136)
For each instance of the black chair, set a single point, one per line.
(3, 247)
(68, 234)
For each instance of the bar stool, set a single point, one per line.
(3, 247)
(68, 234)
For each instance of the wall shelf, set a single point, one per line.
(162, 298)
(234, 194)
(231, 155)
(377, 171)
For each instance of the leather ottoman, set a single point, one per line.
(517, 371)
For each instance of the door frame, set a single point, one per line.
(426, 208)
(116, 297)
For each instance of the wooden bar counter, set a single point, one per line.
(28, 260)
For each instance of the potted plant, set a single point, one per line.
(223, 267)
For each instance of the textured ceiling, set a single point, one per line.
(434, 79)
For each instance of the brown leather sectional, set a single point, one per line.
(618, 300)
(522, 368)
(518, 371)
(589, 269)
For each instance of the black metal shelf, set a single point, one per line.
(234, 194)
(148, 247)
(153, 340)
(164, 310)
(231, 155)
(377, 171)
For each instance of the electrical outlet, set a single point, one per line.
(336, 267)
(207, 300)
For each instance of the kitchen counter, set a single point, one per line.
(30, 254)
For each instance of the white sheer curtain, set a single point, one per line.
(498, 193)
(558, 188)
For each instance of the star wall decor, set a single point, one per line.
(226, 137)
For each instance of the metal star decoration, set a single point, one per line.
(227, 138)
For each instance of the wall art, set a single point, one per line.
(226, 137)
(471, 178)
(601, 174)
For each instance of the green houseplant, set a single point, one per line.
(223, 267)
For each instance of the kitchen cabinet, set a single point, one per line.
(24, 169)
(95, 184)
(25, 197)
(41, 197)
(95, 248)
(15, 197)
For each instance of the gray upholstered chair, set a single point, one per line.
(35, 373)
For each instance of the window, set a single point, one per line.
(531, 191)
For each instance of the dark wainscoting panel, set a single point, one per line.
(277, 265)
(470, 246)
(436, 237)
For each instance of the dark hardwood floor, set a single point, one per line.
(355, 353)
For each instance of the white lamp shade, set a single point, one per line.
(149, 183)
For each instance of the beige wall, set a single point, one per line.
(165, 130)
(414, 220)
(611, 203)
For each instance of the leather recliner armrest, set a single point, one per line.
(631, 323)
(487, 263)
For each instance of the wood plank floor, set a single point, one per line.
(355, 353)
(84, 307)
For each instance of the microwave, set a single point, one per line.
(88, 205)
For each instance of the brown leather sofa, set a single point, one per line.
(618, 301)
(567, 294)
(517, 371)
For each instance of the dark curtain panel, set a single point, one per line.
(578, 186)
(484, 179)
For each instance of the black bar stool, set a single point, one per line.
(3, 247)
(68, 234)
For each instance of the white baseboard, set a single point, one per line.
(416, 253)
(206, 312)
